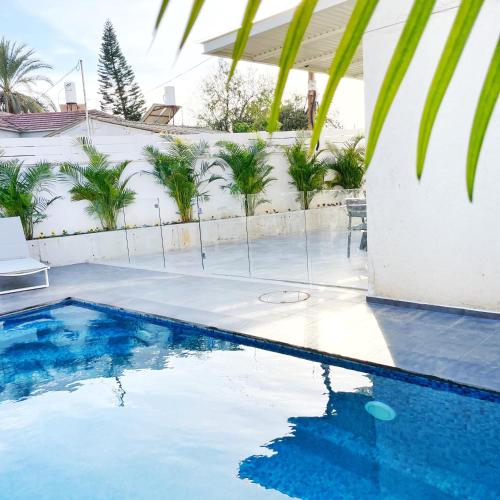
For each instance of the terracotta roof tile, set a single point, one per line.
(55, 121)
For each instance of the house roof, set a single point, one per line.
(56, 122)
(4, 124)
(318, 46)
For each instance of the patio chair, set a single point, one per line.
(356, 208)
(15, 260)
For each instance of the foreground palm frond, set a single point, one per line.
(405, 49)
(403, 54)
(250, 172)
(306, 170)
(177, 170)
(25, 192)
(462, 26)
(101, 184)
(484, 110)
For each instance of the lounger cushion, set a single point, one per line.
(12, 242)
(19, 266)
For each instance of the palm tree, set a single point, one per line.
(25, 192)
(405, 49)
(175, 169)
(100, 183)
(251, 173)
(18, 74)
(306, 170)
(348, 163)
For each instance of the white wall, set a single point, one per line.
(8, 134)
(427, 243)
(65, 215)
(100, 128)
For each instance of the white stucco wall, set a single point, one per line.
(99, 128)
(427, 243)
(69, 216)
(8, 134)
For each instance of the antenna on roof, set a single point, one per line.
(85, 99)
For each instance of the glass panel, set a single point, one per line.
(144, 234)
(337, 255)
(181, 240)
(277, 237)
(223, 230)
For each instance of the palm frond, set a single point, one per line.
(23, 192)
(100, 183)
(360, 17)
(177, 170)
(193, 16)
(250, 171)
(484, 110)
(400, 61)
(462, 26)
(243, 33)
(295, 34)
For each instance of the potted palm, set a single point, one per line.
(250, 172)
(102, 184)
(347, 163)
(176, 170)
(25, 192)
(306, 170)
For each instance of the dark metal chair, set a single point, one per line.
(356, 208)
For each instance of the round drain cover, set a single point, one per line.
(284, 297)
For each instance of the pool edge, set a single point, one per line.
(395, 372)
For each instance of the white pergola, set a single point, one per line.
(318, 46)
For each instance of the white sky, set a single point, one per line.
(63, 31)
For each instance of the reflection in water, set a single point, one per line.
(346, 453)
(114, 406)
(54, 349)
(120, 392)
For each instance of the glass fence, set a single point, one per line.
(317, 238)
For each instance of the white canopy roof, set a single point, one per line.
(318, 46)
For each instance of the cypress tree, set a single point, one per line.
(117, 84)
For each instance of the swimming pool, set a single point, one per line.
(96, 403)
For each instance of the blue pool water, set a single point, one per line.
(96, 404)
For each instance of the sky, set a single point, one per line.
(62, 32)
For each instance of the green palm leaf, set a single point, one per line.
(244, 33)
(462, 26)
(161, 12)
(291, 45)
(401, 59)
(484, 110)
(195, 11)
(348, 45)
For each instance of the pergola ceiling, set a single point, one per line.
(318, 46)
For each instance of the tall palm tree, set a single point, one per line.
(306, 170)
(413, 29)
(250, 172)
(348, 163)
(25, 192)
(100, 183)
(18, 74)
(176, 170)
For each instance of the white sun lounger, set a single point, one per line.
(14, 255)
